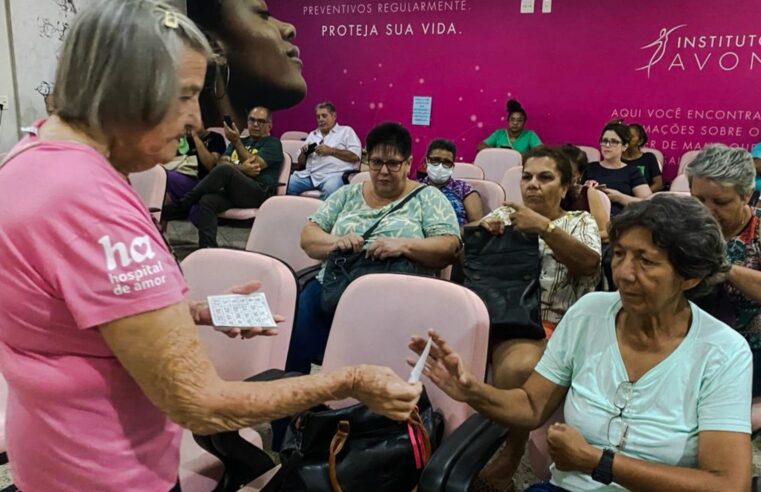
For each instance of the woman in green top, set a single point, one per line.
(515, 136)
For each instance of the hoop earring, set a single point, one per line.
(225, 81)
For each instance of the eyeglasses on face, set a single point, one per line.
(439, 160)
(618, 430)
(392, 165)
(610, 142)
(257, 121)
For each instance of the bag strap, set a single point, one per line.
(399, 205)
(336, 445)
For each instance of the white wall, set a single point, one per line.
(9, 127)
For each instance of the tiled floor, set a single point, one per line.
(182, 235)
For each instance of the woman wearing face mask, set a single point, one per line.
(440, 159)
(259, 64)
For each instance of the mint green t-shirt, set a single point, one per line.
(526, 140)
(704, 385)
(428, 214)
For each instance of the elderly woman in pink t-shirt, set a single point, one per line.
(97, 373)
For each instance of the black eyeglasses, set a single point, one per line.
(392, 165)
(610, 142)
(618, 430)
(258, 121)
(439, 160)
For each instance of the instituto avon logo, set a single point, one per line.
(675, 49)
(659, 46)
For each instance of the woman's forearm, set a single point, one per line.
(317, 243)
(433, 252)
(747, 281)
(579, 258)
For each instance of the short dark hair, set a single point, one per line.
(514, 106)
(642, 133)
(620, 129)
(326, 105)
(562, 162)
(694, 244)
(443, 144)
(576, 156)
(390, 135)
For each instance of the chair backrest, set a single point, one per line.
(360, 177)
(593, 153)
(221, 131)
(375, 319)
(681, 184)
(657, 153)
(277, 229)
(463, 170)
(686, 158)
(150, 185)
(213, 271)
(294, 135)
(492, 194)
(495, 162)
(511, 183)
(285, 174)
(292, 148)
(605, 199)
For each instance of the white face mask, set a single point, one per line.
(438, 173)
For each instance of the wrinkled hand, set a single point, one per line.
(251, 167)
(201, 315)
(350, 242)
(323, 149)
(494, 225)
(444, 367)
(570, 451)
(526, 220)
(232, 133)
(384, 392)
(383, 248)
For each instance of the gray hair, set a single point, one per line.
(326, 105)
(118, 64)
(694, 244)
(728, 166)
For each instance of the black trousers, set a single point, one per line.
(224, 188)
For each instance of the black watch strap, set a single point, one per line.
(603, 473)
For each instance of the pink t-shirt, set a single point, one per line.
(79, 249)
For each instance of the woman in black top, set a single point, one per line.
(645, 161)
(622, 183)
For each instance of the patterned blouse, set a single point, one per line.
(745, 250)
(560, 289)
(455, 191)
(428, 214)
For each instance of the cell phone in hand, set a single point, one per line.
(311, 148)
(229, 120)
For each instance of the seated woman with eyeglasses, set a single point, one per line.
(440, 162)
(657, 392)
(424, 230)
(622, 183)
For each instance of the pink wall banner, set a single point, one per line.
(688, 71)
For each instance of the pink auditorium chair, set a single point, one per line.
(492, 194)
(680, 184)
(250, 213)
(214, 271)
(593, 153)
(511, 183)
(657, 153)
(221, 131)
(294, 135)
(292, 148)
(686, 158)
(495, 162)
(605, 201)
(277, 230)
(465, 170)
(360, 177)
(150, 185)
(3, 400)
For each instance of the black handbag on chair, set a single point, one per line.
(504, 272)
(355, 450)
(341, 268)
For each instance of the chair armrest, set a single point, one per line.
(462, 455)
(305, 275)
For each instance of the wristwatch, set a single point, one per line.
(603, 473)
(550, 227)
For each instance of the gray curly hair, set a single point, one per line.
(728, 166)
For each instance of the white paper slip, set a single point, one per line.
(417, 371)
(241, 311)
